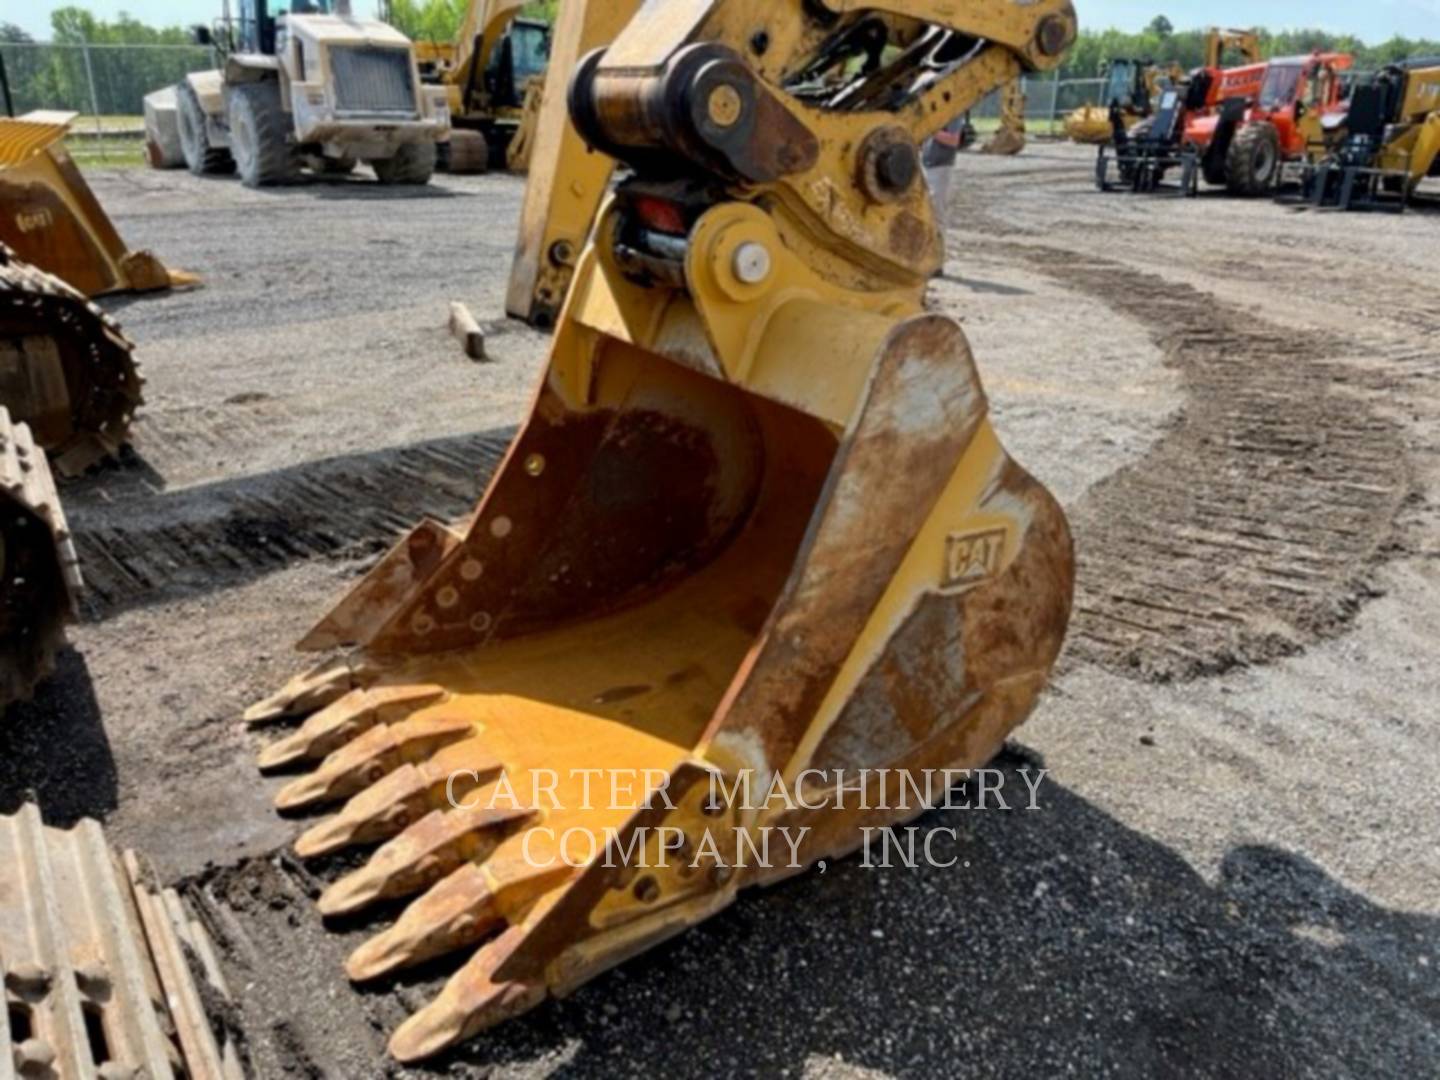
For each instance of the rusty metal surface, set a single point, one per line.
(65, 368)
(100, 968)
(39, 571)
(883, 486)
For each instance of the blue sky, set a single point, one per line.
(1372, 20)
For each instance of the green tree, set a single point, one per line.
(1161, 27)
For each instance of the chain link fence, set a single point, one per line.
(107, 84)
(1048, 101)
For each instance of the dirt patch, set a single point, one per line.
(1251, 527)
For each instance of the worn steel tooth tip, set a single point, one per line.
(375, 754)
(304, 791)
(344, 719)
(330, 835)
(459, 911)
(278, 755)
(469, 1004)
(314, 689)
(435, 846)
(377, 813)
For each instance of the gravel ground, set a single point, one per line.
(1233, 866)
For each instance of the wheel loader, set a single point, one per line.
(50, 217)
(1132, 86)
(756, 554)
(497, 61)
(1385, 142)
(305, 84)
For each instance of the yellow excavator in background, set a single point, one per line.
(1009, 138)
(1245, 44)
(568, 179)
(1385, 142)
(497, 60)
(51, 218)
(756, 552)
(1132, 86)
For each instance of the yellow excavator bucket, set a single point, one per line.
(756, 575)
(1010, 137)
(52, 219)
(1089, 125)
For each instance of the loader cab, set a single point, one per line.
(259, 20)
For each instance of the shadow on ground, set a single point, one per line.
(54, 750)
(1061, 941)
(139, 545)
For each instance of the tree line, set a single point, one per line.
(43, 78)
(56, 78)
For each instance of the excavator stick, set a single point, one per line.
(756, 556)
(66, 370)
(522, 144)
(1009, 138)
(52, 219)
(38, 566)
(568, 180)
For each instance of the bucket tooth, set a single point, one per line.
(387, 808)
(472, 1001)
(344, 719)
(372, 757)
(461, 910)
(311, 690)
(435, 846)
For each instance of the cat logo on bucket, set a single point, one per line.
(30, 220)
(972, 558)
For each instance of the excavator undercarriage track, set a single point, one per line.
(65, 368)
(38, 567)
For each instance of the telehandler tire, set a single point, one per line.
(201, 158)
(412, 164)
(260, 135)
(1253, 164)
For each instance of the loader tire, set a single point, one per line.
(201, 158)
(412, 164)
(469, 153)
(1253, 164)
(260, 135)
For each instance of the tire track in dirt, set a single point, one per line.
(143, 549)
(1250, 528)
